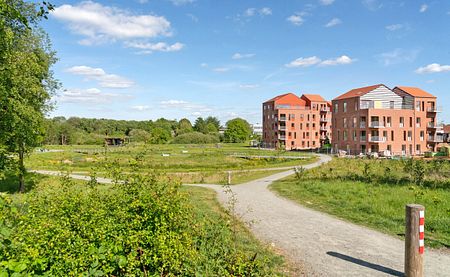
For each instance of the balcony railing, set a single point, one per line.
(282, 128)
(434, 109)
(282, 118)
(436, 139)
(282, 137)
(326, 109)
(324, 119)
(376, 124)
(371, 105)
(323, 129)
(362, 125)
(434, 125)
(377, 139)
(363, 139)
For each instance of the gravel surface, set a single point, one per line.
(319, 244)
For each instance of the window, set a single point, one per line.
(404, 149)
(339, 135)
(385, 134)
(418, 122)
(410, 122)
(417, 105)
(363, 136)
(314, 125)
(313, 117)
(301, 126)
(345, 107)
(345, 122)
(345, 135)
(392, 135)
(335, 107)
(409, 135)
(388, 122)
(404, 135)
(391, 104)
(417, 148)
(356, 105)
(354, 122)
(295, 135)
(422, 135)
(389, 148)
(354, 135)
(402, 122)
(293, 125)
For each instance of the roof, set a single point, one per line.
(357, 92)
(313, 97)
(288, 99)
(416, 92)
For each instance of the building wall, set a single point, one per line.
(383, 128)
(295, 127)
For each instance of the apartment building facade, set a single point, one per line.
(401, 121)
(296, 123)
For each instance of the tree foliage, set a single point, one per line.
(195, 138)
(26, 80)
(238, 130)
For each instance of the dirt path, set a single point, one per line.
(320, 243)
(325, 245)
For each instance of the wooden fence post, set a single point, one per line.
(414, 240)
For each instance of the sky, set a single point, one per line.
(146, 59)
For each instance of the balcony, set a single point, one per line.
(362, 125)
(323, 129)
(376, 124)
(282, 137)
(435, 139)
(282, 128)
(363, 139)
(434, 109)
(324, 110)
(282, 118)
(377, 139)
(433, 125)
(325, 119)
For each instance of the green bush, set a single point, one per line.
(195, 138)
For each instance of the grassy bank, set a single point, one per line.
(147, 227)
(374, 193)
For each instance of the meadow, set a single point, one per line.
(374, 193)
(186, 163)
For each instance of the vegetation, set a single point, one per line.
(26, 81)
(374, 193)
(143, 227)
(195, 138)
(238, 130)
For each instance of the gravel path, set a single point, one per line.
(321, 244)
(324, 245)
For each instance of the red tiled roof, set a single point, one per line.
(358, 92)
(288, 99)
(313, 97)
(416, 92)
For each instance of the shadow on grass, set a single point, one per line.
(373, 266)
(10, 183)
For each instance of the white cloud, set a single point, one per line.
(193, 17)
(296, 19)
(91, 96)
(221, 69)
(248, 86)
(333, 22)
(99, 24)
(433, 68)
(140, 108)
(423, 8)
(338, 61)
(98, 74)
(304, 62)
(265, 11)
(184, 105)
(148, 47)
(181, 2)
(394, 27)
(398, 56)
(238, 56)
(372, 5)
(326, 2)
(254, 11)
(204, 65)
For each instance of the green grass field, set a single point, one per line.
(188, 163)
(375, 195)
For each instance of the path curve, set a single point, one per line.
(325, 245)
(322, 244)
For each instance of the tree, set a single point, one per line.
(214, 121)
(160, 135)
(238, 130)
(201, 126)
(26, 81)
(139, 135)
(184, 126)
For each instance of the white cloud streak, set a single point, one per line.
(184, 105)
(338, 61)
(181, 2)
(423, 8)
(333, 22)
(238, 56)
(91, 96)
(398, 56)
(99, 24)
(314, 60)
(296, 19)
(326, 2)
(394, 27)
(433, 68)
(149, 48)
(98, 74)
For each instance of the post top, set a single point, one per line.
(415, 206)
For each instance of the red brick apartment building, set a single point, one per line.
(401, 121)
(294, 123)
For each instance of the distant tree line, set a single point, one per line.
(75, 130)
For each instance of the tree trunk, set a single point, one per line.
(21, 170)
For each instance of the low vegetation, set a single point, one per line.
(374, 193)
(143, 227)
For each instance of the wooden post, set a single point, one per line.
(414, 240)
(229, 178)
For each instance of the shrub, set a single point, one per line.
(195, 138)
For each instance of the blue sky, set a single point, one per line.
(141, 59)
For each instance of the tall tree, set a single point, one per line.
(214, 121)
(184, 126)
(238, 130)
(200, 125)
(26, 81)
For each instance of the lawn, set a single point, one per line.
(189, 163)
(374, 193)
(65, 227)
